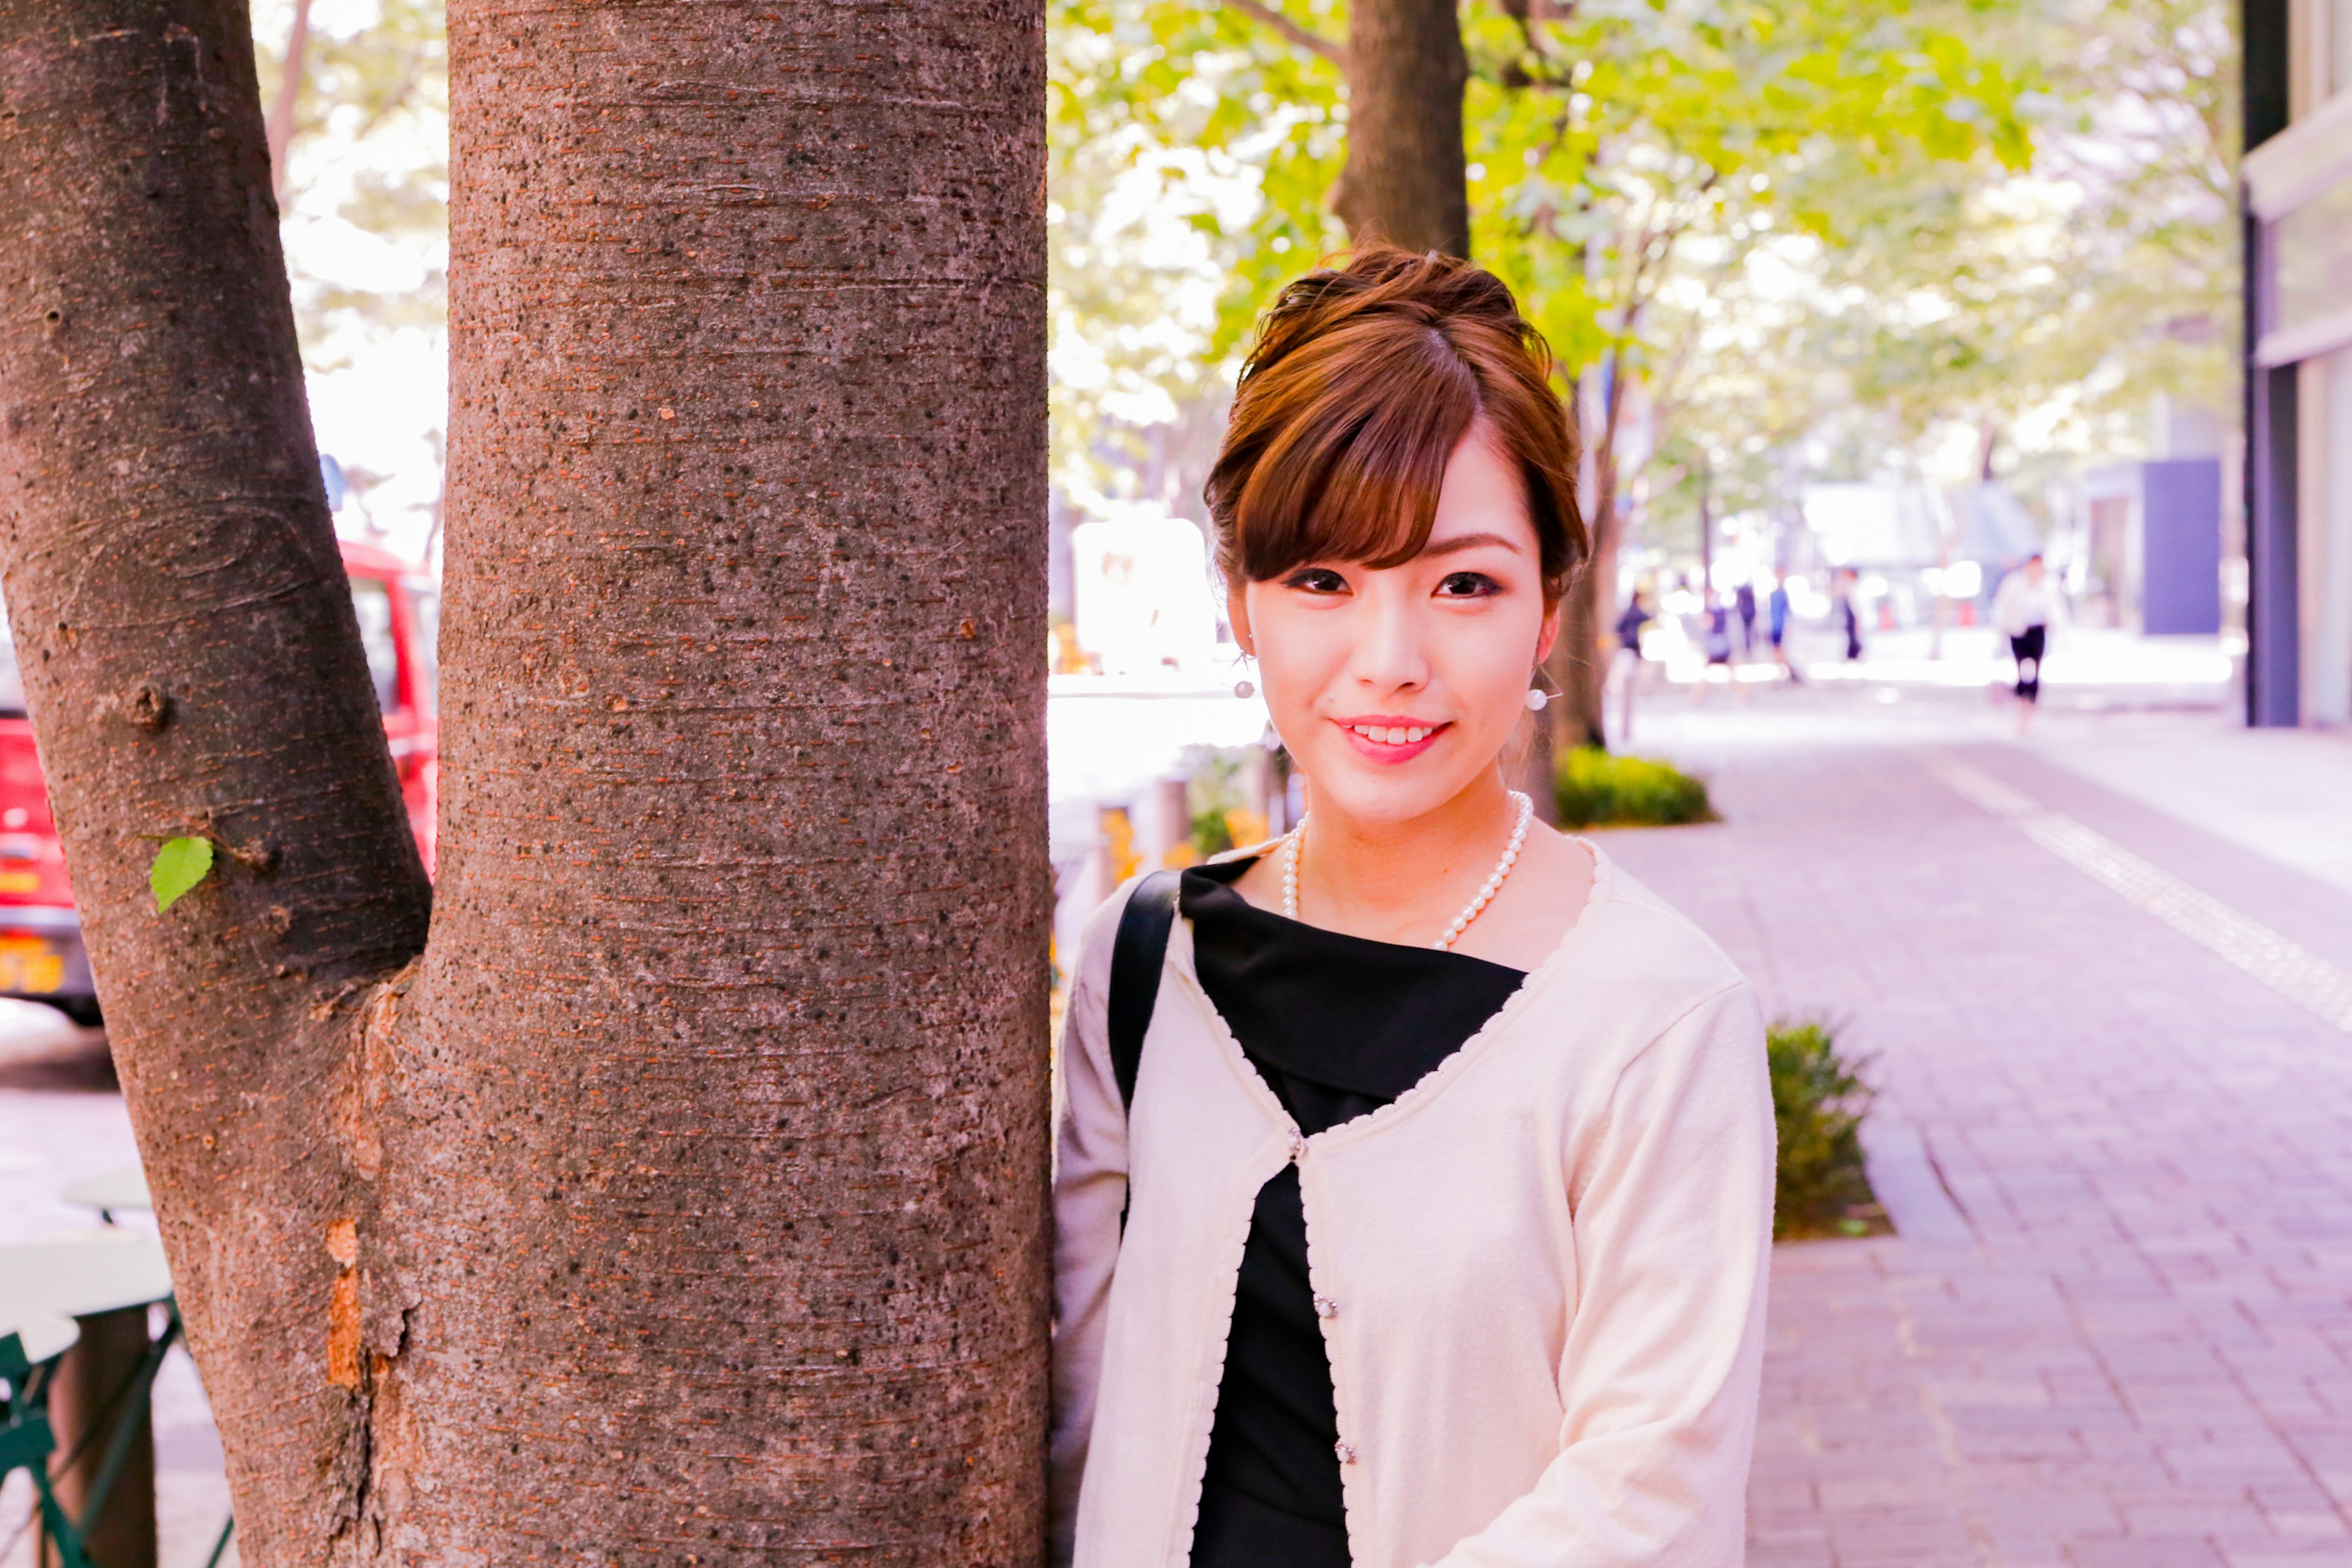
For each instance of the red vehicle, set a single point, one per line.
(41, 954)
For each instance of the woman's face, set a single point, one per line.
(1394, 689)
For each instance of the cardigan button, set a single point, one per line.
(1347, 1452)
(1298, 1147)
(1325, 1307)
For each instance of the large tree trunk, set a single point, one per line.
(683, 1200)
(1404, 179)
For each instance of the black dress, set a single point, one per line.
(1337, 1026)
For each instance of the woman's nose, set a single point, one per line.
(1394, 654)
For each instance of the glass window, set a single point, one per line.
(371, 598)
(425, 658)
(12, 679)
(2312, 246)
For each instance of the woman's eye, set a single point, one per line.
(1315, 580)
(1467, 586)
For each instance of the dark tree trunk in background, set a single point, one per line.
(1581, 657)
(280, 122)
(1404, 179)
(684, 1199)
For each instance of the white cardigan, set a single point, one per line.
(1541, 1269)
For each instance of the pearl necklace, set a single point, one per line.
(1294, 841)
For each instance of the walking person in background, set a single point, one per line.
(1776, 625)
(1628, 662)
(1714, 637)
(1849, 620)
(2026, 607)
(1519, 1104)
(1743, 599)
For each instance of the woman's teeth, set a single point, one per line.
(1391, 735)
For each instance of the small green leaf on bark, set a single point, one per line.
(179, 866)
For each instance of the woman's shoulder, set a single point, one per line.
(1101, 928)
(1651, 948)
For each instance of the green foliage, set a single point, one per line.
(1601, 137)
(1594, 788)
(1215, 799)
(179, 866)
(1183, 150)
(1819, 1099)
(370, 148)
(1817, 237)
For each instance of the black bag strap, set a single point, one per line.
(1136, 954)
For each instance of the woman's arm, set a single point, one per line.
(1089, 1196)
(1671, 1194)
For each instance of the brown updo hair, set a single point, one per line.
(1362, 382)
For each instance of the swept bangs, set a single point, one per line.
(1354, 473)
(1362, 384)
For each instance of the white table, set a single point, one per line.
(123, 1190)
(82, 1274)
(94, 1288)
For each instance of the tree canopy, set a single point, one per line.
(1858, 224)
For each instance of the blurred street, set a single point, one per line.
(2104, 977)
(61, 1118)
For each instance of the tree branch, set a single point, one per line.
(1306, 38)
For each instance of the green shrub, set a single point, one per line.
(1818, 1102)
(1214, 799)
(1600, 789)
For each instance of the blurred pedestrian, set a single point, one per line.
(1776, 625)
(2025, 608)
(1627, 664)
(1743, 599)
(1715, 618)
(1842, 590)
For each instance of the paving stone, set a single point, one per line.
(2135, 1349)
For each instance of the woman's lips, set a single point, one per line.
(1370, 736)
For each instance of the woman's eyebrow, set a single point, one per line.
(1469, 541)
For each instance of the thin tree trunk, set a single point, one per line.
(1578, 662)
(685, 1201)
(1705, 531)
(281, 123)
(1404, 179)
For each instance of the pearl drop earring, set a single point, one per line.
(1537, 698)
(1244, 687)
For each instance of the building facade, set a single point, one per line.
(2298, 218)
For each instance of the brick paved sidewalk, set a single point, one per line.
(2125, 1338)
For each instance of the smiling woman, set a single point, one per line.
(1519, 1105)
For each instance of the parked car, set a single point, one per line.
(41, 954)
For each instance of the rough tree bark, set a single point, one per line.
(1404, 180)
(681, 1200)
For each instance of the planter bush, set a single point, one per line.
(1594, 788)
(1819, 1099)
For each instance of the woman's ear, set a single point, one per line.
(1550, 634)
(1237, 615)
